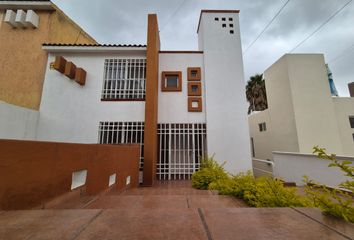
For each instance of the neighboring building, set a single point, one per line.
(24, 26)
(179, 105)
(301, 111)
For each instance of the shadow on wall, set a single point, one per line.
(32, 172)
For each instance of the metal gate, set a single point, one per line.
(181, 147)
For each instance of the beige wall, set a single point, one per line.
(344, 108)
(22, 60)
(281, 108)
(262, 141)
(312, 102)
(22, 63)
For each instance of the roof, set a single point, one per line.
(214, 11)
(25, 5)
(92, 45)
(60, 47)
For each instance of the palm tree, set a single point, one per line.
(256, 93)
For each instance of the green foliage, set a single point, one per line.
(210, 171)
(269, 192)
(261, 192)
(336, 202)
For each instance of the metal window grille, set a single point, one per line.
(181, 147)
(123, 133)
(124, 79)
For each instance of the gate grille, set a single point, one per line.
(180, 148)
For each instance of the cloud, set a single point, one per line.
(125, 22)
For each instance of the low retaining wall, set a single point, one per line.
(291, 167)
(33, 172)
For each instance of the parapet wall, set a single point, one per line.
(33, 172)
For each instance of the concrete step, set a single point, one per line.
(165, 202)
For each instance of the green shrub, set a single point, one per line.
(269, 192)
(336, 202)
(210, 171)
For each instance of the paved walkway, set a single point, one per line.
(169, 211)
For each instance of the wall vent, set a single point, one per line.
(10, 17)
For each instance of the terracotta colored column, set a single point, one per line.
(351, 89)
(152, 71)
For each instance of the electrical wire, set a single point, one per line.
(322, 25)
(173, 14)
(266, 27)
(344, 52)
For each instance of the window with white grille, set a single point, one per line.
(124, 79)
(181, 147)
(121, 133)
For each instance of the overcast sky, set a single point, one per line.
(125, 22)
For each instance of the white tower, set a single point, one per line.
(226, 111)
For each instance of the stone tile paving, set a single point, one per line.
(171, 210)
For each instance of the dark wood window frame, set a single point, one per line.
(165, 74)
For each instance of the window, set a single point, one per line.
(224, 25)
(124, 79)
(194, 89)
(171, 82)
(231, 25)
(230, 19)
(353, 136)
(262, 127)
(194, 74)
(231, 31)
(252, 148)
(216, 19)
(194, 104)
(351, 121)
(224, 19)
(181, 147)
(123, 132)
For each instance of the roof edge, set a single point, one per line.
(25, 5)
(214, 11)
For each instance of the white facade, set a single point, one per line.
(220, 40)
(301, 112)
(70, 112)
(97, 113)
(173, 106)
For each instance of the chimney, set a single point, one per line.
(351, 89)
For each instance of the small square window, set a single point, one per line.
(194, 89)
(194, 104)
(230, 19)
(351, 121)
(231, 31)
(216, 19)
(224, 25)
(231, 25)
(171, 82)
(224, 19)
(193, 73)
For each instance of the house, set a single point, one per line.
(301, 111)
(178, 105)
(24, 26)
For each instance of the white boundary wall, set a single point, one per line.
(291, 167)
(17, 122)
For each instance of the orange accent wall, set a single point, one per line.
(151, 107)
(33, 172)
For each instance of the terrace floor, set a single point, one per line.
(169, 210)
